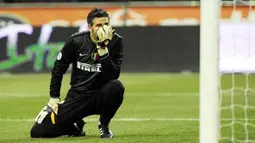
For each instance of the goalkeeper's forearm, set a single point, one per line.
(110, 65)
(58, 71)
(55, 85)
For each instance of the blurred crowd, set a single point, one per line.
(20, 1)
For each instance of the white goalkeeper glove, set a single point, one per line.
(104, 34)
(53, 104)
(42, 114)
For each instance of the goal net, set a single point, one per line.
(237, 72)
(227, 71)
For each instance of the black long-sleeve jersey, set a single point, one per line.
(90, 71)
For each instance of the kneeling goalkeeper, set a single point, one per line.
(96, 57)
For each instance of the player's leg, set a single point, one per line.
(75, 107)
(69, 119)
(44, 129)
(80, 105)
(104, 102)
(47, 129)
(112, 97)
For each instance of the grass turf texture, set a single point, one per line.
(157, 107)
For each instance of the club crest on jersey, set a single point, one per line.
(95, 56)
(89, 67)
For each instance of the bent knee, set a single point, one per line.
(34, 133)
(118, 86)
(39, 131)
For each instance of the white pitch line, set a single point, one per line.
(14, 94)
(136, 94)
(129, 119)
(117, 119)
(163, 94)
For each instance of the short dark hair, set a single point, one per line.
(96, 12)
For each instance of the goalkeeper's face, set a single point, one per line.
(97, 23)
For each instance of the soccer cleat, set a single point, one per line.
(79, 125)
(104, 131)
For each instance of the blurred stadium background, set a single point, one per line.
(160, 70)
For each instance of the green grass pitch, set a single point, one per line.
(157, 108)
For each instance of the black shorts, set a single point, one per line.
(79, 105)
(49, 130)
(72, 110)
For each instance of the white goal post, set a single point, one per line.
(209, 71)
(227, 72)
